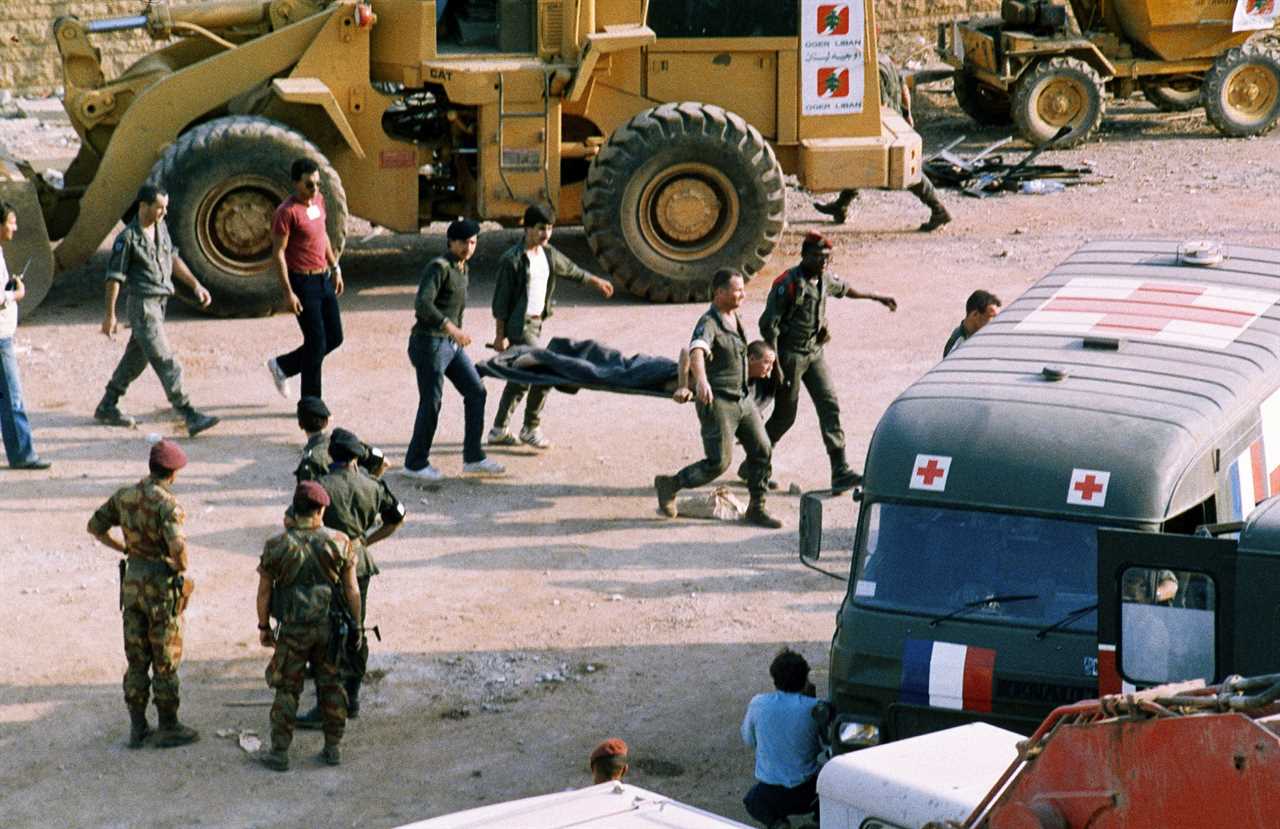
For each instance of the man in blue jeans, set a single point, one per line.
(781, 728)
(436, 349)
(13, 416)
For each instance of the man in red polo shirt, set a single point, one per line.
(310, 280)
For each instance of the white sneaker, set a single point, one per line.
(427, 473)
(501, 437)
(486, 467)
(534, 438)
(278, 377)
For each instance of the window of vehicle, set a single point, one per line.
(724, 18)
(942, 561)
(1166, 625)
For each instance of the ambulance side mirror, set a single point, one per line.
(811, 525)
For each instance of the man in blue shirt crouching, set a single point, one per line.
(781, 728)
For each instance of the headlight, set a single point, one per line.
(858, 734)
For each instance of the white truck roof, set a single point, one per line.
(612, 805)
(907, 783)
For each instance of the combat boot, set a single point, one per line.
(843, 478)
(197, 421)
(331, 754)
(838, 209)
(937, 218)
(353, 698)
(139, 728)
(275, 759)
(172, 733)
(108, 413)
(757, 515)
(666, 486)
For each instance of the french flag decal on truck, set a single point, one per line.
(946, 675)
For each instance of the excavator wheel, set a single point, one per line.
(225, 179)
(30, 253)
(1177, 94)
(1241, 92)
(986, 105)
(679, 192)
(1055, 93)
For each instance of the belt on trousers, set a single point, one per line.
(309, 273)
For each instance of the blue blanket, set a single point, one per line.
(570, 365)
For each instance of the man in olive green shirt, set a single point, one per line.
(522, 300)
(726, 409)
(437, 350)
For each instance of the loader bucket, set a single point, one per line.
(30, 249)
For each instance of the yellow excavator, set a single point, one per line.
(664, 127)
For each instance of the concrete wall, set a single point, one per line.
(29, 59)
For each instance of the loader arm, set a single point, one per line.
(162, 112)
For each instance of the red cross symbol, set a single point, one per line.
(930, 471)
(1088, 487)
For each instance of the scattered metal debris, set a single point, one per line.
(985, 173)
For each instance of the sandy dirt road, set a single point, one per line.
(523, 619)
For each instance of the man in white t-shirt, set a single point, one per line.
(13, 416)
(522, 299)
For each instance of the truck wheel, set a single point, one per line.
(1177, 94)
(986, 105)
(225, 179)
(1056, 93)
(1241, 92)
(678, 192)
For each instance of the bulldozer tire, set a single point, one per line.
(986, 105)
(225, 179)
(1241, 93)
(1178, 94)
(1056, 93)
(679, 192)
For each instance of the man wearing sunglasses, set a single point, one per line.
(310, 280)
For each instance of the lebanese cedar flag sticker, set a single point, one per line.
(929, 473)
(1088, 488)
(833, 19)
(833, 82)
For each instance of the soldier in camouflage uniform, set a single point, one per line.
(154, 591)
(297, 574)
(894, 94)
(358, 503)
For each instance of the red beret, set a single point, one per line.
(168, 455)
(313, 492)
(612, 747)
(814, 239)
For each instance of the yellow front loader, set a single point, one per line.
(664, 127)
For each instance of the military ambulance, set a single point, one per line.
(1132, 388)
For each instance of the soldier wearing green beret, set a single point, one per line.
(154, 591)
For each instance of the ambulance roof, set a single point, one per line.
(1153, 366)
(612, 805)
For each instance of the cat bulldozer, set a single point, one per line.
(664, 127)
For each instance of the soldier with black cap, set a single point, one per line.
(437, 350)
(154, 591)
(297, 574)
(362, 508)
(313, 418)
(523, 298)
(794, 322)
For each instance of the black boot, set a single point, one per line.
(197, 421)
(171, 732)
(331, 754)
(139, 728)
(757, 515)
(843, 478)
(937, 219)
(353, 697)
(666, 486)
(839, 208)
(108, 412)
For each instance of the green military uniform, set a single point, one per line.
(510, 304)
(732, 411)
(153, 592)
(315, 461)
(794, 322)
(441, 296)
(304, 564)
(358, 502)
(145, 265)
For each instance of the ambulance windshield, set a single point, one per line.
(932, 560)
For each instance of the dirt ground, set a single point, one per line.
(523, 619)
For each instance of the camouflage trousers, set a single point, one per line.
(298, 646)
(152, 640)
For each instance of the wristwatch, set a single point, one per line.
(264, 627)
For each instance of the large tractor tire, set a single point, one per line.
(1178, 94)
(1241, 92)
(1056, 93)
(678, 192)
(225, 179)
(986, 105)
